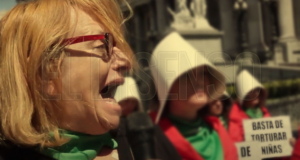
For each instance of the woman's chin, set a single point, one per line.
(110, 122)
(254, 104)
(109, 118)
(219, 110)
(199, 101)
(218, 113)
(103, 127)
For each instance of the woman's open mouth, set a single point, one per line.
(107, 94)
(108, 91)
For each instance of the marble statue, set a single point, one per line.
(183, 19)
(182, 16)
(199, 8)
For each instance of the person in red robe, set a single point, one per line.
(186, 82)
(221, 108)
(252, 97)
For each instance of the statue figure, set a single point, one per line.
(183, 20)
(181, 5)
(199, 8)
(182, 16)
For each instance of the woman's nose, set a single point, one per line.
(120, 62)
(219, 103)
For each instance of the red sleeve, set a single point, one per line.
(265, 112)
(296, 152)
(236, 132)
(229, 149)
(235, 125)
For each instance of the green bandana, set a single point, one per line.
(202, 137)
(254, 112)
(80, 147)
(224, 122)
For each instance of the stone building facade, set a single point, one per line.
(269, 29)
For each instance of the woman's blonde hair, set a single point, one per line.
(30, 37)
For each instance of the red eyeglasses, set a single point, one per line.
(107, 39)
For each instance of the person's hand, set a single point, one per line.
(293, 141)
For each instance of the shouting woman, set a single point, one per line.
(58, 58)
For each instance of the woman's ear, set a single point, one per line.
(50, 89)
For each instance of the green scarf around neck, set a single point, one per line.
(204, 139)
(224, 122)
(80, 146)
(254, 112)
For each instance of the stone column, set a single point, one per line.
(255, 32)
(288, 39)
(161, 12)
(296, 6)
(228, 25)
(286, 21)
